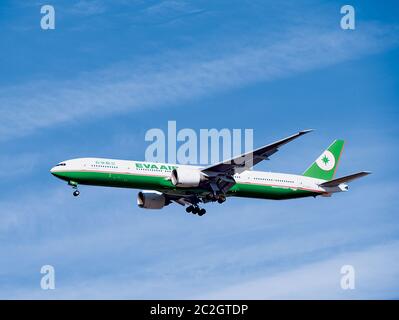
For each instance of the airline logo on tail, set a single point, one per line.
(326, 161)
(325, 165)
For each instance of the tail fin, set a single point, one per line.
(325, 166)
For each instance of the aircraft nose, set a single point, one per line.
(55, 170)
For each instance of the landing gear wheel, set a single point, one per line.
(196, 210)
(189, 209)
(76, 193)
(201, 212)
(221, 200)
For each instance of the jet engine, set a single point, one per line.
(151, 200)
(187, 177)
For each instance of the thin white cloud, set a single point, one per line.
(376, 277)
(27, 108)
(87, 8)
(169, 10)
(263, 238)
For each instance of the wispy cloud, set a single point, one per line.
(27, 108)
(270, 238)
(87, 8)
(166, 11)
(376, 274)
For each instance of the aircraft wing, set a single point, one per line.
(246, 161)
(338, 181)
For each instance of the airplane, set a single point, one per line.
(189, 185)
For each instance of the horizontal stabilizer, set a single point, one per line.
(351, 177)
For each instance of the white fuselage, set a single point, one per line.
(148, 169)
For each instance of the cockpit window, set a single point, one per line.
(61, 164)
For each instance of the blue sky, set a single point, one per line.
(112, 70)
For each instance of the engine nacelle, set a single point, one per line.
(151, 200)
(187, 177)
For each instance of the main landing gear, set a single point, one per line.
(196, 210)
(220, 198)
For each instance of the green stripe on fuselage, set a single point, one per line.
(268, 192)
(125, 180)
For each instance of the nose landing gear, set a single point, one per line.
(75, 187)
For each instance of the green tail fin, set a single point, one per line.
(325, 166)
